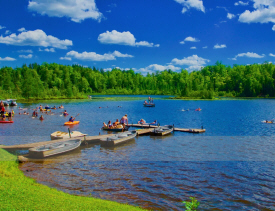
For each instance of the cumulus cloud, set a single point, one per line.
(2, 27)
(7, 59)
(25, 51)
(29, 56)
(48, 50)
(271, 54)
(21, 29)
(189, 39)
(122, 38)
(249, 55)
(188, 4)
(156, 67)
(193, 47)
(66, 58)
(241, 3)
(194, 62)
(205, 47)
(7, 32)
(264, 13)
(230, 16)
(92, 56)
(35, 38)
(217, 46)
(76, 10)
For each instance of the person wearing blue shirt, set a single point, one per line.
(71, 119)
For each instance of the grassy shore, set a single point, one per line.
(18, 192)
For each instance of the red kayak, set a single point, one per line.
(6, 121)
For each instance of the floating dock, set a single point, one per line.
(85, 140)
(175, 129)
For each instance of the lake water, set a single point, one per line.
(229, 167)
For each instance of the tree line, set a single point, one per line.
(53, 80)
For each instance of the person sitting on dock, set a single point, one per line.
(154, 123)
(141, 121)
(71, 119)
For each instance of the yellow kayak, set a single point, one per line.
(72, 123)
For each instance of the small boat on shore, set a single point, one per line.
(162, 130)
(54, 149)
(118, 138)
(64, 135)
(117, 129)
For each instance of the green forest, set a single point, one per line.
(47, 81)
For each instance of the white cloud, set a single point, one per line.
(271, 54)
(25, 51)
(241, 3)
(35, 38)
(76, 10)
(7, 59)
(7, 32)
(122, 38)
(2, 27)
(48, 50)
(230, 16)
(205, 47)
(219, 46)
(249, 55)
(156, 67)
(193, 47)
(21, 29)
(188, 4)
(66, 58)
(26, 56)
(189, 39)
(264, 13)
(92, 56)
(194, 62)
(273, 27)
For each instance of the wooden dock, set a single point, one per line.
(175, 129)
(86, 139)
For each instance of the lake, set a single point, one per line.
(229, 167)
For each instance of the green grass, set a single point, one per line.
(18, 192)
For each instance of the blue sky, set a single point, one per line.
(145, 35)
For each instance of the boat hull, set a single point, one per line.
(5, 122)
(72, 123)
(54, 149)
(162, 130)
(116, 129)
(119, 138)
(64, 135)
(149, 104)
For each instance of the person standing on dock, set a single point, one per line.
(124, 120)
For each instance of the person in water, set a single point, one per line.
(71, 119)
(4, 117)
(65, 113)
(61, 106)
(41, 118)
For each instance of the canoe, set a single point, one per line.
(72, 123)
(64, 135)
(6, 121)
(116, 129)
(162, 130)
(149, 104)
(54, 149)
(198, 109)
(118, 138)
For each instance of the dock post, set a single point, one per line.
(69, 132)
(173, 128)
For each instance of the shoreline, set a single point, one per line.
(19, 192)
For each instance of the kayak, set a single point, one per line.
(72, 123)
(198, 109)
(6, 121)
(270, 122)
